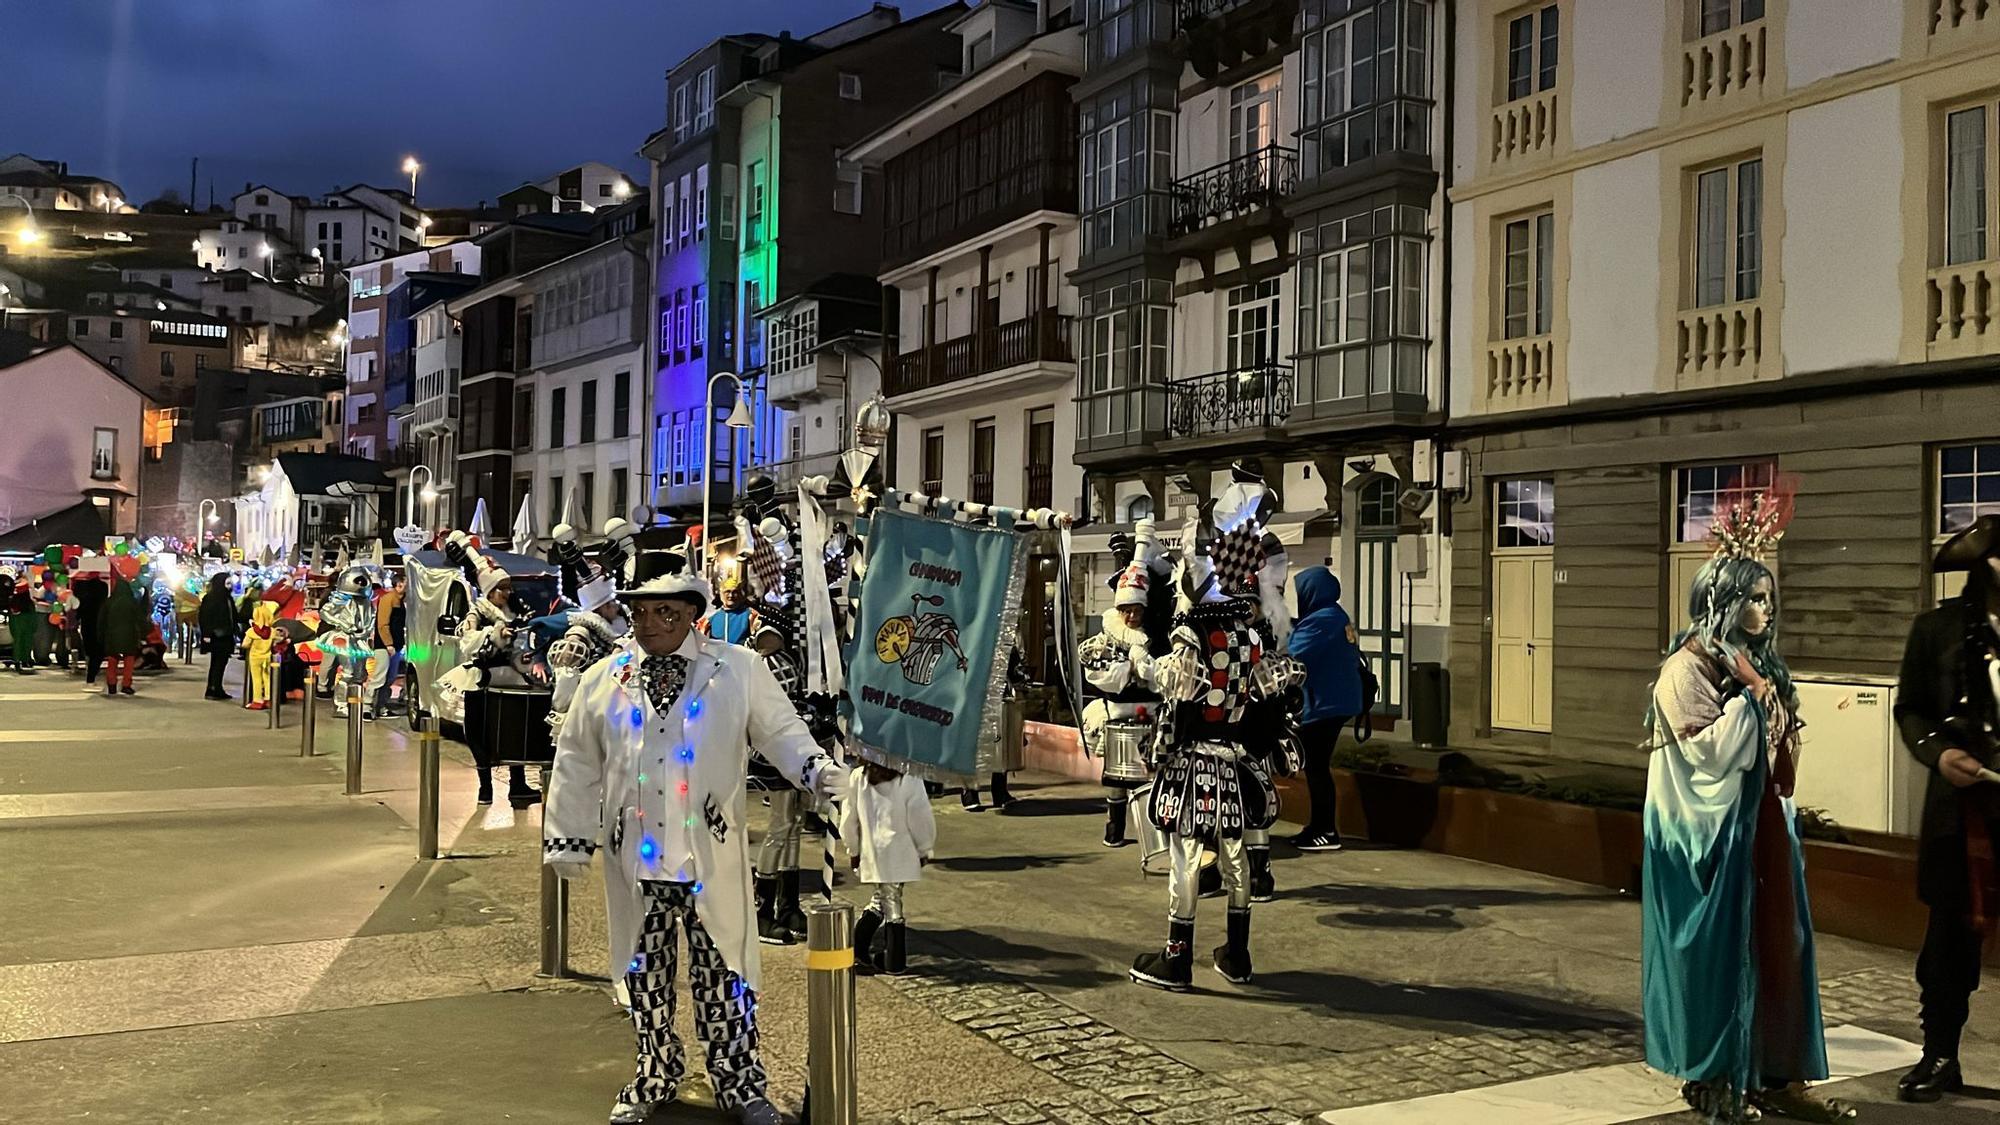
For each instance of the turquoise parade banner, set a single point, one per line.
(939, 603)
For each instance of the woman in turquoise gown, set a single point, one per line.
(1731, 990)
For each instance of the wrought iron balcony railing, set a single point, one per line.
(1030, 339)
(1190, 14)
(1226, 402)
(1238, 186)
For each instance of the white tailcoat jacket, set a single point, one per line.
(613, 734)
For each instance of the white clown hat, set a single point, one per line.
(1133, 586)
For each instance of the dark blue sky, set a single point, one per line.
(312, 94)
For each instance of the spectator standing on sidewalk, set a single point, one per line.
(91, 593)
(885, 816)
(20, 607)
(217, 621)
(1323, 640)
(121, 626)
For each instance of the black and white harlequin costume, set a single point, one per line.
(651, 762)
(1250, 564)
(1210, 786)
(774, 570)
(598, 624)
(1118, 663)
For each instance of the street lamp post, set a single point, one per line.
(411, 166)
(29, 232)
(205, 513)
(428, 494)
(739, 419)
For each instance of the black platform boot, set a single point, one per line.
(1172, 967)
(894, 961)
(485, 787)
(998, 797)
(793, 916)
(520, 794)
(1114, 822)
(770, 930)
(1232, 959)
(864, 940)
(1263, 888)
(781, 893)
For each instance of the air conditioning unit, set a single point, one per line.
(1851, 761)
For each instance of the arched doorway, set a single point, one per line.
(1376, 596)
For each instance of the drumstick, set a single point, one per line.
(1986, 774)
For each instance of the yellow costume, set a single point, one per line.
(257, 643)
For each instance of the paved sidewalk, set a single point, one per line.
(202, 927)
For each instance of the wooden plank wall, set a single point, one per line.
(1851, 567)
(1609, 532)
(1468, 653)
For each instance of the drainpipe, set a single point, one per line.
(1448, 101)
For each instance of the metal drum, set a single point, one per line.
(1010, 753)
(1123, 746)
(505, 726)
(1152, 841)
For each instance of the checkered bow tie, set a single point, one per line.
(664, 677)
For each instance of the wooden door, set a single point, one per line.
(1523, 640)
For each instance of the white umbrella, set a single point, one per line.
(524, 523)
(569, 506)
(482, 526)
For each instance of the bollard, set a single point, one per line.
(353, 742)
(830, 1050)
(555, 923)
(277, 687)
(428, 747)
(308, 722)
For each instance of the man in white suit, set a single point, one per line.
(650, 765)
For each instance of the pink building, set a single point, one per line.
(74, 434)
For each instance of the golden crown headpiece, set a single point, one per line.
(1751, 527)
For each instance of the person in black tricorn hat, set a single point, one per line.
(1946, 711)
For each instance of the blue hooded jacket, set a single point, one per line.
(1320, 641)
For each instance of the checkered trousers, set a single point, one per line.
(724, 1009)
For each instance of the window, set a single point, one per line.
(686, 224)
(704, 98)
(1728, 247)
(700, 318)
(104, 452)
(683, 119)
(524, 417)
(557, 408)
(117, 363)
(79, 327)
(668, 201)
(621, 406)
(933, 476)
(847, 190)
(587, 418)
(586, 484)
(1528, 272)
(1360, 286)
(798, 447)
(1252, 326)
(1968, 486)
(117, 329)
(1139, 507)
(979, 52)
(1966, 172)
(1525, 514)
(726, 214)
(200, 362)
(850, 86)
(1041, 427)
(793, 339)
(1127, 163)
(555, 500)
(1253, 115)
(166, 365)
(701, 202)
(753, 206)
(620, 493)
(1721, 15)
(1704, 492)
(1533, 41)
(982, 461)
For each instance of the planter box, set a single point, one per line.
(1865, 891)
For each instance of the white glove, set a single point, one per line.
(569, 870)
(826, 782)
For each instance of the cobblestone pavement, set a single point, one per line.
(1118, 1080)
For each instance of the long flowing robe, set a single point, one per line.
(1731, 991)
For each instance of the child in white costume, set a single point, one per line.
(885, 817)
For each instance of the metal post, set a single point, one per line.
(307, 727)
(353, 741)
(428, 746)
(555, 921)
(830, 1050)
(277, 686)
